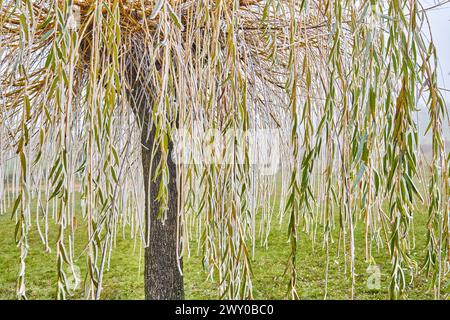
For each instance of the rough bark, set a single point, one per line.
(163, 280)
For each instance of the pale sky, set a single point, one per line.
(440, 25)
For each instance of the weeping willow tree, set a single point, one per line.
(94, 92)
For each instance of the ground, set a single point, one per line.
(124, 280)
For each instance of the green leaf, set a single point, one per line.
(157, 8)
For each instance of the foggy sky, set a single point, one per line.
(440, 25)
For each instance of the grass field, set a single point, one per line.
(124, 279)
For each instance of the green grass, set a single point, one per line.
(124, 279)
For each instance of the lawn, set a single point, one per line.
(124, 279)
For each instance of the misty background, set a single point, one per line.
(439, 17)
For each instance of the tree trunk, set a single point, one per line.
(163, 279)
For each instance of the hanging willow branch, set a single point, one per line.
(340, 81)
